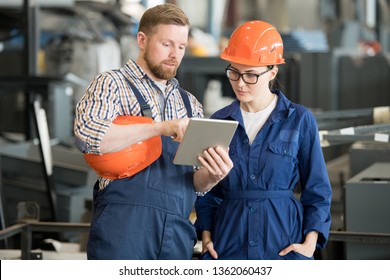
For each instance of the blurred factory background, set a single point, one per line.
(337, 64)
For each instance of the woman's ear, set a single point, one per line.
(274, 72)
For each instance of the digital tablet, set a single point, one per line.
(202, 134)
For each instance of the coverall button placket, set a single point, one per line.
(253, 165)
(253, 234)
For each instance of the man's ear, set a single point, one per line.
(141, 39)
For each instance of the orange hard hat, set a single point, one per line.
(255, 43)
(130, 160)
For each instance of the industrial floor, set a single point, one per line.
(66, 251)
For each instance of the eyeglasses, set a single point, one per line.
(248, 78)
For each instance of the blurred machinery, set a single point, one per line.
(23, 180)
(366, 210)
(362, 154)
(359, 178)
(52, 49)
(46, 42)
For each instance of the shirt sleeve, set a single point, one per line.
(206, 208)
(94, 113)
(316, 189)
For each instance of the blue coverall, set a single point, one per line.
(146, 216)
(253, 213)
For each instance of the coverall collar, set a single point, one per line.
(283, 110)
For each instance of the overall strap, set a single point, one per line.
(145, 108)
(186, 101)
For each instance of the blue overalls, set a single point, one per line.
(146, 216)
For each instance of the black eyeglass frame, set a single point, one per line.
(241, 75)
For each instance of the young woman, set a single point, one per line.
(253, 213)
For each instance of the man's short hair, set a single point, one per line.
(162, 14)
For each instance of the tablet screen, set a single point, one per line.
(202, 134)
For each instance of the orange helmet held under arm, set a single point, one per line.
(255, 43)
(130, 160)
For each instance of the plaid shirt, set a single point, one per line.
(109, 96)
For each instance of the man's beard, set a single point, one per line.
(158, 69)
